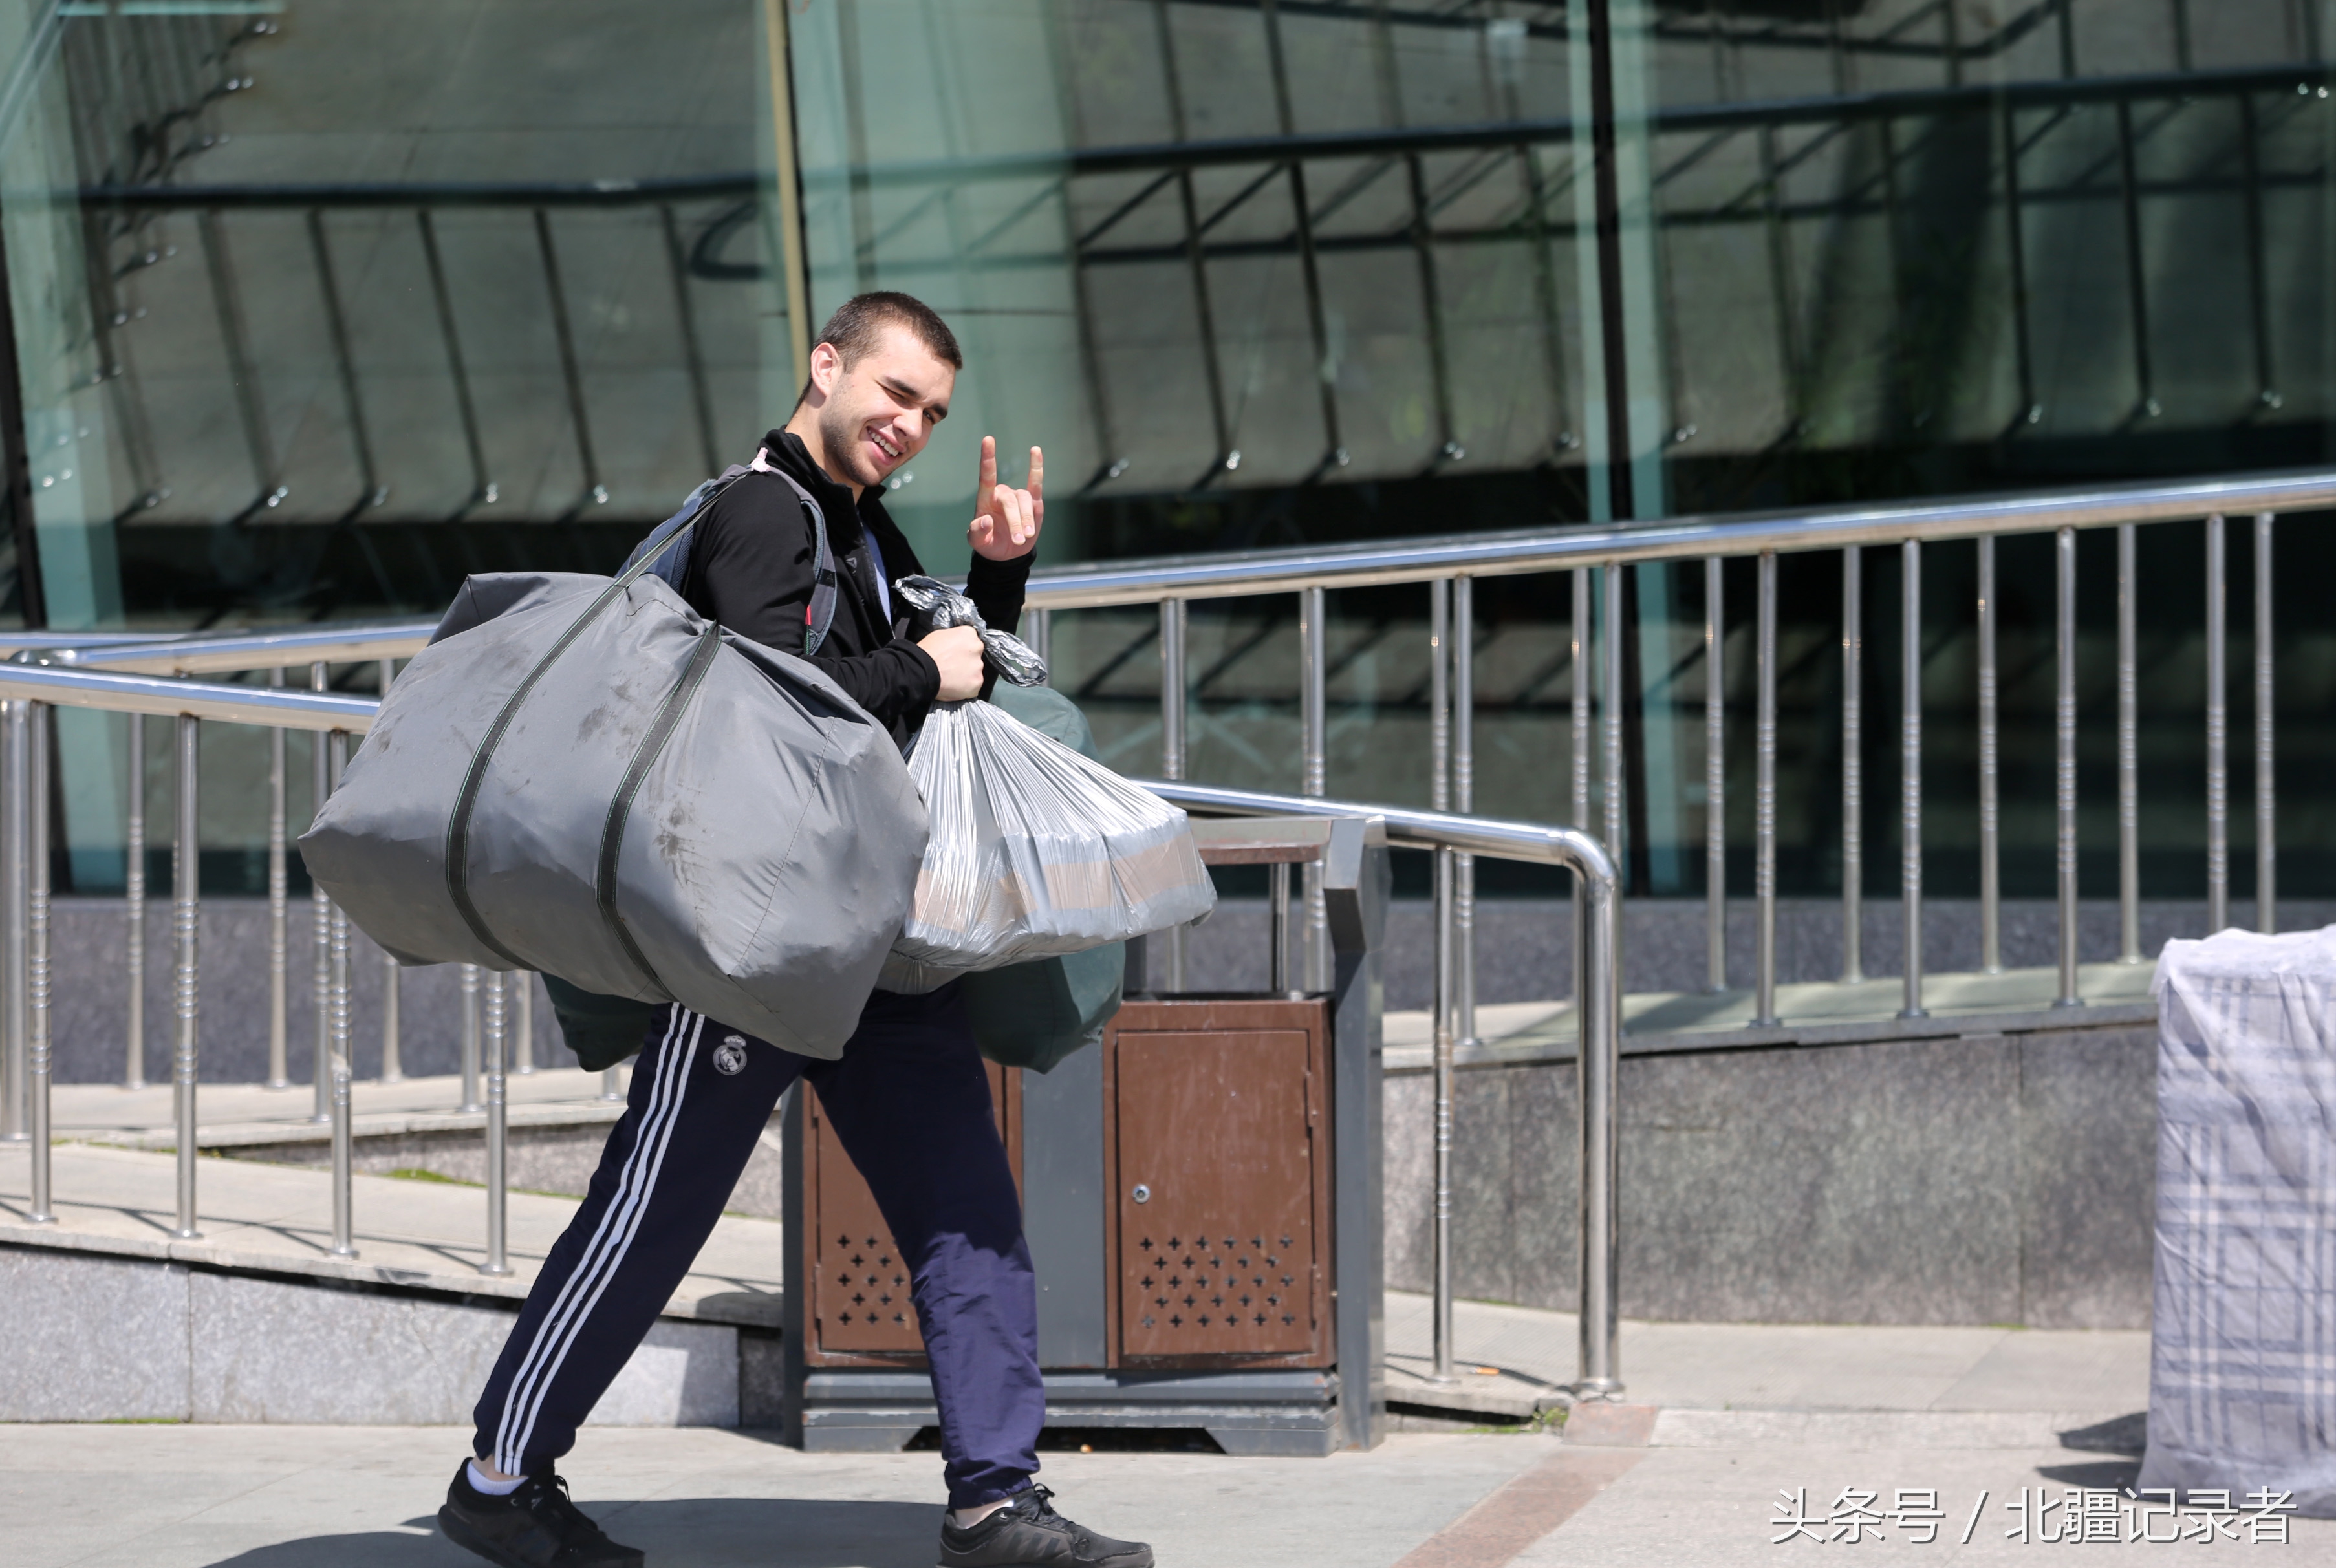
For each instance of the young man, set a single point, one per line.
(909, 1098)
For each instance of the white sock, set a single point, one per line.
(481, 1482)
(967, 1519)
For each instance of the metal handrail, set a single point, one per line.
(24, 901)
(1527, 551)
(1597, 1008)
(344, 644)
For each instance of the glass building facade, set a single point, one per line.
(316, 306)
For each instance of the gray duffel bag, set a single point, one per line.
(581, 777)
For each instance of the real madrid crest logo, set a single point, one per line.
(730, 1055)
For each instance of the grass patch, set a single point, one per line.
(416, 1174)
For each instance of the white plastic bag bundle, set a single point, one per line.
(1035, 852)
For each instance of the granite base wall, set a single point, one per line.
(201, 1345)
(1981, 1179)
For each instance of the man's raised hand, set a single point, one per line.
(1007, 520)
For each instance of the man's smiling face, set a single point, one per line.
(881, 409)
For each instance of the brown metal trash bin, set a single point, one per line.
(1201, 1198)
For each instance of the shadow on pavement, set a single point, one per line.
(704, 1532)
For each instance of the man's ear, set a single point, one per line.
(827, 370)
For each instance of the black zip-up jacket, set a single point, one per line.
(750, 569)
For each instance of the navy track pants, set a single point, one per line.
(910, 1101)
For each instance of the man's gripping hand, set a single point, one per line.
(956, 650)
(1008, 523)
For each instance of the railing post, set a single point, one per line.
(1578, 758)
(2128, 757)
(134, 900)
(36, 954)
(1039, 633)
(320, 913)
(1853, 765)
(1463, 799)
(186, 974)
(2064, 727)
(1610, 730)
(1277, 923)
(1764, 798)
(1910, 768)
(1314, 748)
(1440, 1019)
(279, 1025)
(2218, 764)
(612, 1084)
(1714, 778)
(497, 1166)
(393, 1044)
(1172, 694)
(2266, 791)
(1991, 843)
(1598, 938)
(471, 981)
(15, 922)
(522, 1054)
(337, 748)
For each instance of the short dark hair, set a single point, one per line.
(861, 320)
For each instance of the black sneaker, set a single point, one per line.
(1028, 1533)
(535, 1527)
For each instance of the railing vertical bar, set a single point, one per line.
(1314, 748)
(40, 1037)
(320, 921)
(2266, 781)
(280, 1015)
(1610, 717)
(336, 749)
(15, 826)
(470, 980)
(1440, 1017)
(2064, 730)
(1278, 927)
(1764, 796)
(1038, 631)
(1990, 840)
(498, 1167)
(1853, 765)
(523, 1023)
(1715, 778)
(393, 981)
(2218, 759)
(1578, 767)
(186, 915)
(134, 901)
(1172, 697)
(1910, 770)
(1439, 693)
(1598, 936)
(1463, 800)
(2129, 755)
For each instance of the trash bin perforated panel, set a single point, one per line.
(861, 1305)
(1216, 1133)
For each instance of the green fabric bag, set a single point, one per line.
(1036, 1014)
(1029, 1015)
(602, 1031)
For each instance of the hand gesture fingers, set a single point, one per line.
(1038, 492)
